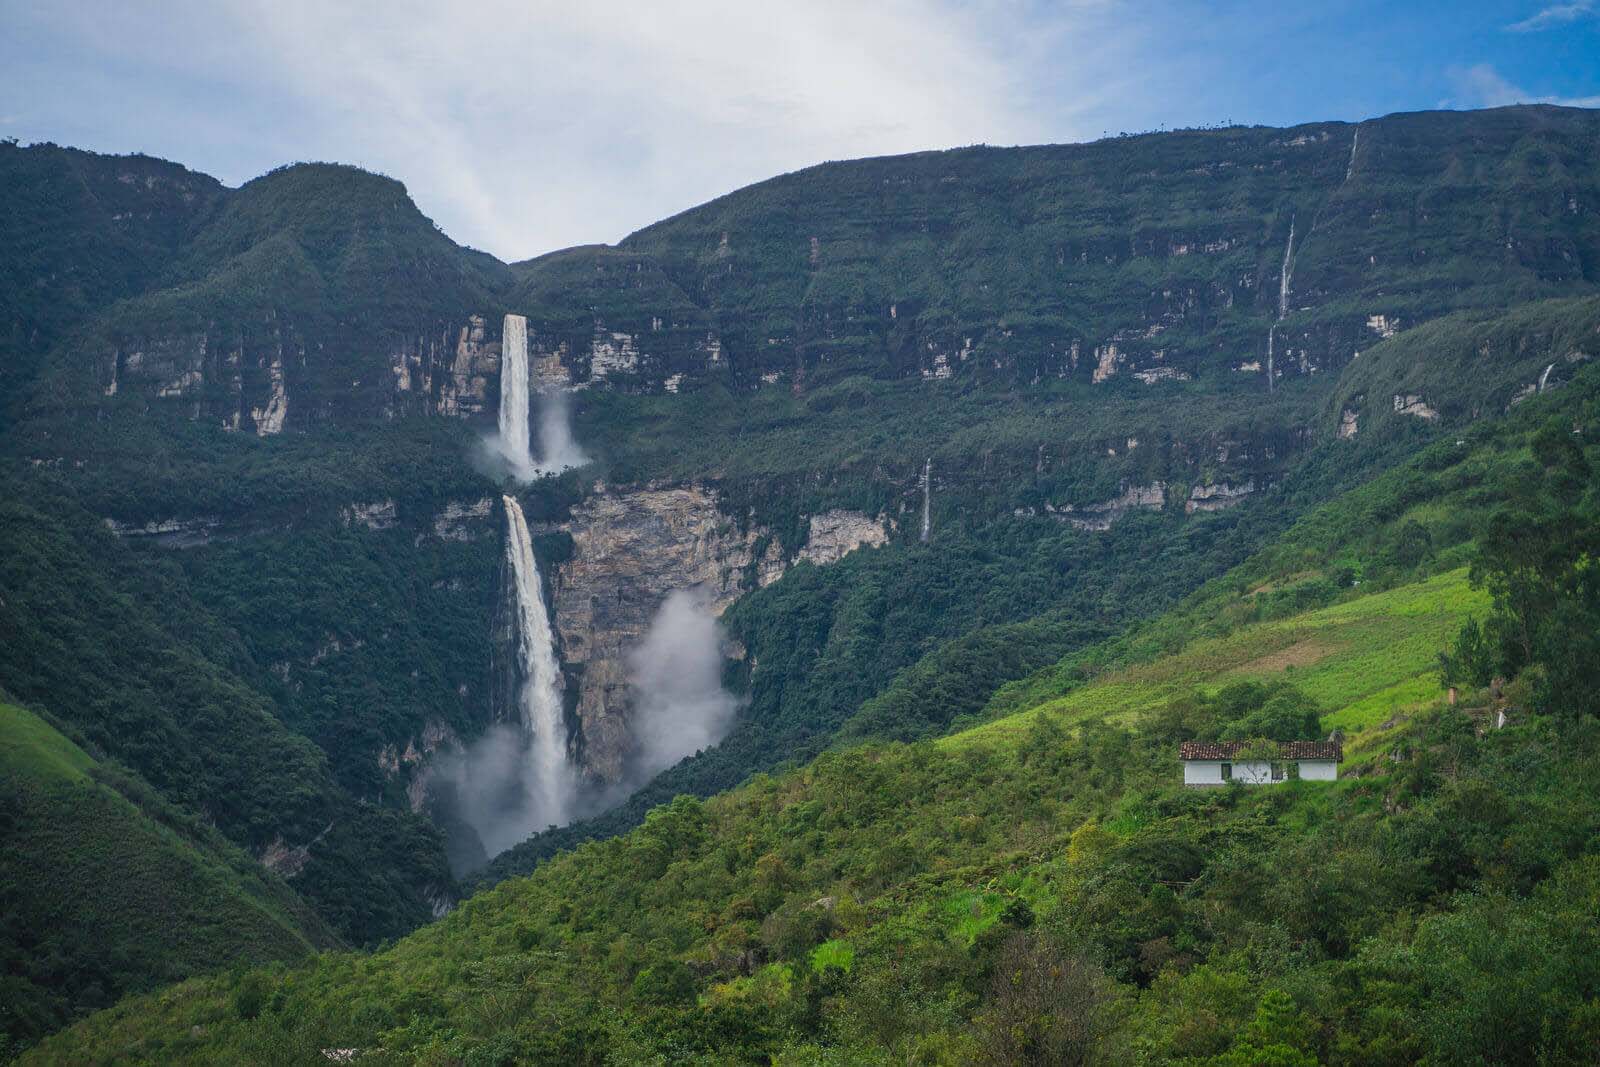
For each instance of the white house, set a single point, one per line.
(1220, 762)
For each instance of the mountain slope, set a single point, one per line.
(116, 645)
(111, 890)
(81, 231)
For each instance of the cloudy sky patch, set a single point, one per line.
(522, 127)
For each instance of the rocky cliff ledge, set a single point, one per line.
(632, 547)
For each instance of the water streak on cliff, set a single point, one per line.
(927, 492)
(1285, 273)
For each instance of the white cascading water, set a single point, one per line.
(514, 397)
(539, 700)
(927, 494)
(1545, 377)
(1272, 332)
(1285, 272)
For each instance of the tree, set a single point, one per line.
(1045, 1004)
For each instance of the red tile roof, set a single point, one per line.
(1286, 749)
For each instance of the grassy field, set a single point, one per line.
(29, 747)
(1362, 660)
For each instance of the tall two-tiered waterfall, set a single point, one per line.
(539, 701)
(514, 396)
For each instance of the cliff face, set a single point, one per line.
(1238, 257)
(632, 547)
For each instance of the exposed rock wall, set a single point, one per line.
(834, 534)
(1216, 497)
(632, 547)
(1100, 516)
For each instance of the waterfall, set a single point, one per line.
(514, 396)
(1271, 336)
(927, 496)
(1545, 376)
(1355, 141)
(539, 701)
(1284, 273)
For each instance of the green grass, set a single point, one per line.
(1360, 659)
(29, 746)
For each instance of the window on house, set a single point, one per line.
(1227, 772)
(1277, 772)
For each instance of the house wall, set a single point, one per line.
(1319, 770)
(1254, 772)
(1209, 771)
(1202, 772)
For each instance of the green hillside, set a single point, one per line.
(109, 889)
(1042, 889)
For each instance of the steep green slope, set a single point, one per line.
(290, 304)
(1042, 887)
(108, 889)
(1151, 252)
(116, 644)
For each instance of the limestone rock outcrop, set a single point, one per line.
(834, 534)
(630, 549)
(1100, 516)
(1216, 497)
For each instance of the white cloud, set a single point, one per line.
(523, 127)
(1484, 86)
(1554, 15)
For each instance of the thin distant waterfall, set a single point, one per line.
(1545, 377)
(514, 442)
(539, 700)
(1285, 273)
(1272, 332)
(927, 497)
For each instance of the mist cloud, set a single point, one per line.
(493, 787)
(679, 705)
(558, 449)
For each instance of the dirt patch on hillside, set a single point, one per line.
(1302, 653)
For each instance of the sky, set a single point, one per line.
(523, 127)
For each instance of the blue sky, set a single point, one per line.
(522, 126)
